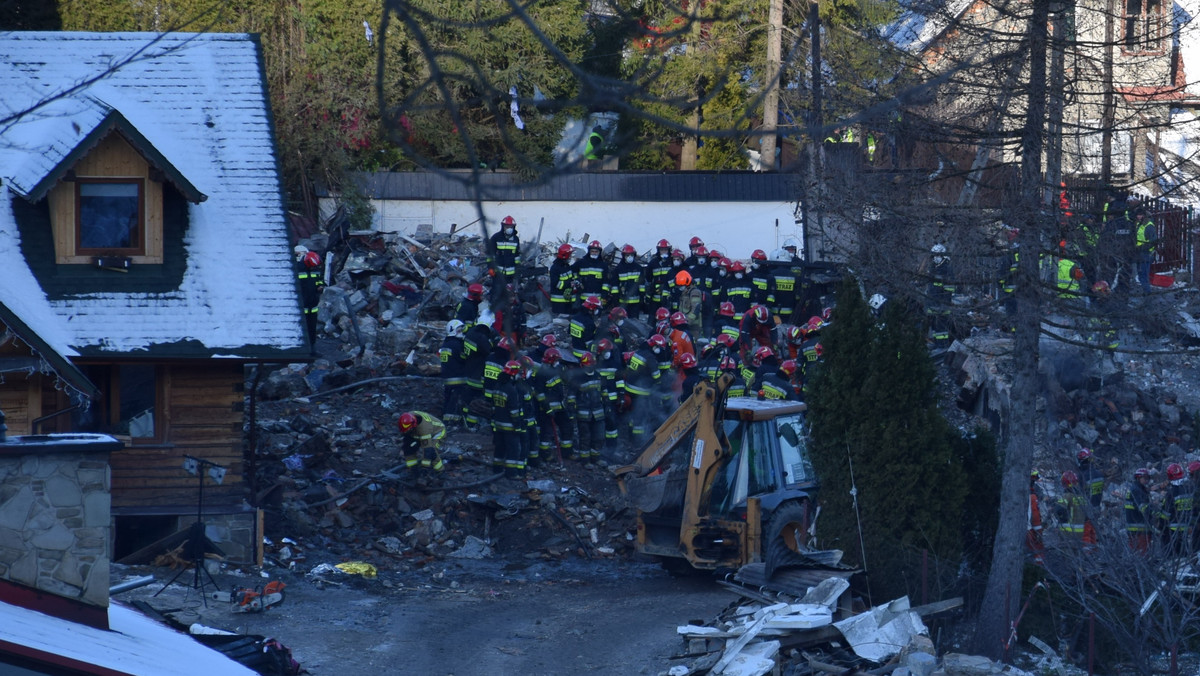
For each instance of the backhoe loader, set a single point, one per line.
(727, 482)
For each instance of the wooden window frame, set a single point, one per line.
(139, 232)
(1142, 19)
(110, 403)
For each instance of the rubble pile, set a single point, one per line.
(332, 481)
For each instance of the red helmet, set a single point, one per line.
(760, 313)
(656, 340)
(1069, 479)
(662, 314)
(475, 292)
(526, 362)
(1084, 455)
(1101, 288)
(407, 421)
(700, 251)
(764, 352)
(758, 255)
(827, 313)
(814, 324)
(1141, 472)
(728, 364)
(715, 254)
(725, 309)
(788, 367)
(312, 259)
(628, 250)
(594, 244)
(1194, 466)
(794, 334)
(605, 345)
(587, 359)
(726, 340)
(819, 349)
(736, 267)
(551, 356)
(678, 319)
(509, 220)
(1174, 471)
(678, 254)
(695, 242)
(725, 263)
(505, 343)
(618, 313)
(663, 244)
(687, 360)
(564, 251)
(549, 340)
(626, 356)
(591, 303)
(512, 367)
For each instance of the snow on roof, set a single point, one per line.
(200, 101)
(922, 21)
(133, 644)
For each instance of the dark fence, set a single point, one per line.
(1176, 250)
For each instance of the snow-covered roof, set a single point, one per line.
(921, 22)
(195, 105)
(133, 644)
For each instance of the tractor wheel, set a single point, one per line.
(786, 535)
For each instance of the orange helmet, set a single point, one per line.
(683, 278)
(407, 421)
(312, 259)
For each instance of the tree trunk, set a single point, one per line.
(1003, 594)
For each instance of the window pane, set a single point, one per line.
(108, 215)
(793, 449)
(137, 401)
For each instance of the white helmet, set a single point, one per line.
(876, 301)
(938, 249)
(454, 327)
(791, 242)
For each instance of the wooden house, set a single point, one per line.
(146, 261)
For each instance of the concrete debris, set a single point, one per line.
(883, 631)
(956, 664)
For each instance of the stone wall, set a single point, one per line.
(54, 524)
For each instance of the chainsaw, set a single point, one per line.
(255, 600)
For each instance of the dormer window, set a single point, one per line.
(110, 218)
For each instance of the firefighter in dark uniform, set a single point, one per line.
(627, 283)
(690, 369)
(776, 383)
(548, 341)
(1139, 512)
(422, 440)
(562, 281)
(504, 258)
(941, 292)
(608, 363)
(312, 281)
(591, 272)
(506, 421)
(693, 258)
(467, 311)
(785, 286)
(760, 279)
(583, 326)
(658, 276)
(526, 426)
(586, 393)
(738, 290)
(477, 344)
(552, 414)
(641, 385)
(453, 373)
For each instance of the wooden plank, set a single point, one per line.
(206, 415)
(184, 500)
(195, 435)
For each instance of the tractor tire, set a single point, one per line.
(786, 533)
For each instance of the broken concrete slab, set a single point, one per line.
(883, 631)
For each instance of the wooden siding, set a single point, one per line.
(21, 401)
(202, 417)
(112, 158)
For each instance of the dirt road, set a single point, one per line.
(608, 618)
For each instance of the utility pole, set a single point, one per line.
(816, 171)
(771, 95)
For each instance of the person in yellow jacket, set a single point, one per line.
(421, 440)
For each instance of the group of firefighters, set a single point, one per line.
(1153, 513)
(640, 337)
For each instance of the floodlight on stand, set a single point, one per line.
(217, 473)
(190, 465)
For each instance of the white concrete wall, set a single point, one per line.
(735, 228)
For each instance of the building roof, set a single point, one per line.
(606, 186)
(195, 106)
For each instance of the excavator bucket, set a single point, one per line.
(646, 493)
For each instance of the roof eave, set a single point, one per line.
(61, 365)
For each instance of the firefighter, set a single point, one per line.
(583, 326)
(526, 426)
(554, 424)
(421, 441)
(478, 342)
(694, 256)
(791, 338)
(691, 375)
(591, 272)
(627, 282)
(619, 329)
(659, 272)
(467, 311)
(1067, 276)
(941, 292)
(453, 373)
(1072, 508)
(719, 285)
(1091, 478)
(546, 342)
(562, 278)
(776, 383)
(754, 330)
(680, 337)
(710, 359)
(1146, 241)
(730, 365)
(1179, 511)
(504, 258)
(738, 290)
(760, 279)
(586, 393)
(502, 352)
(506, 422)
(641, 385)
(1138, 515)
(610, 367)
(725, 324)
(312, 281)
(785, 287)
